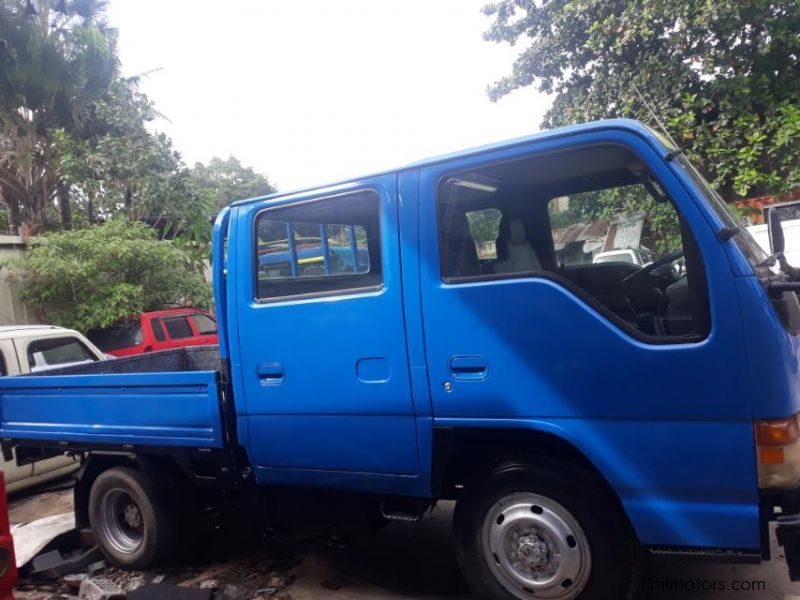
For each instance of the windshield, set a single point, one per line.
(752, 251)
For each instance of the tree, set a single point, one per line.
(123, 168)
(57, 58)
(724, 76)
(223, 181)
(97, 276)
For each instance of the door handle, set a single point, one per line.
(471, 367)
(270, 373)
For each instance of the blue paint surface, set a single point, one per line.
(367, 375)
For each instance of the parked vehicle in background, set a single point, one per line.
(8, 563)
(575, 412)
(157, 330)
(638, 256)
(791, 233)
(34, 348)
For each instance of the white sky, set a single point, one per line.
(315, 91)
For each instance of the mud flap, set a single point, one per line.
(788, 534)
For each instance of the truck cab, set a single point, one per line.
(480, 353)
(471, 349)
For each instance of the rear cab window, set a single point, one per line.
(319, 247)
(57, 351)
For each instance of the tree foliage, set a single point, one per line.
(74, 134)
(96, 276)
(123, 168)
(222, 181)
(57, 58)
(724, 76)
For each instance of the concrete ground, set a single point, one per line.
(416, 560)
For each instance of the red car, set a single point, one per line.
(157, 330)
(8, 564)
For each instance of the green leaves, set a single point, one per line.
(97, 276)
(223, 181)
(724, 76)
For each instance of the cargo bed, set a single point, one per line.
(171, 398)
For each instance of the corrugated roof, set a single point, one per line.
(580, 232)
(628, 231)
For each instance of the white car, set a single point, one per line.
(640, 256)
(33, 348)
(791, 234)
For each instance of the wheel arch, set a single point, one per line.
(464, 454)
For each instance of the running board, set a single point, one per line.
(710, 554)
(407, 510)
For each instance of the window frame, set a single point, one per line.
(344, 291)
(565, 283)
(32, 362)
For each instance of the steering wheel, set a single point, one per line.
(653, 266)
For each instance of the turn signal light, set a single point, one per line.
(778, 452)
(777, 433)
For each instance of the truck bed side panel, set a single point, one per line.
(153, 409)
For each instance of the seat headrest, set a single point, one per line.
(518, 234)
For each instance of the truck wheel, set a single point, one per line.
(130, 520)
(542, 530)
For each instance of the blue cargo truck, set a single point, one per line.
(442, 332)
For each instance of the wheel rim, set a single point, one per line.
(536, 548)
(121, 521)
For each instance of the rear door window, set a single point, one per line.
(320, 247)
(178, 327)
(117, 337)
(54, 352)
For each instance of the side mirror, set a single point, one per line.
(777, 243)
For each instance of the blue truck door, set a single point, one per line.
(324, 365)
(644, 374)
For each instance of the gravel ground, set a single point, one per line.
(403, 561)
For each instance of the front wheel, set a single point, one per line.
(542, 531)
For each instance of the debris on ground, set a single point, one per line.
(100, 588)
(162, 591)
(31, 538)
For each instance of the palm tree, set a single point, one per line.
(57, 59)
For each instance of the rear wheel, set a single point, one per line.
(130, 518)
(542, 530)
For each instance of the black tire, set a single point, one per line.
(137, 537)
(595, 521)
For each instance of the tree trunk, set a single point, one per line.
(12, 207)
(128, 199)
(90, 210)
(64, 206)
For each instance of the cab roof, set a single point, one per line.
(620, 124)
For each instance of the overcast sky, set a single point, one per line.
(320, 90)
